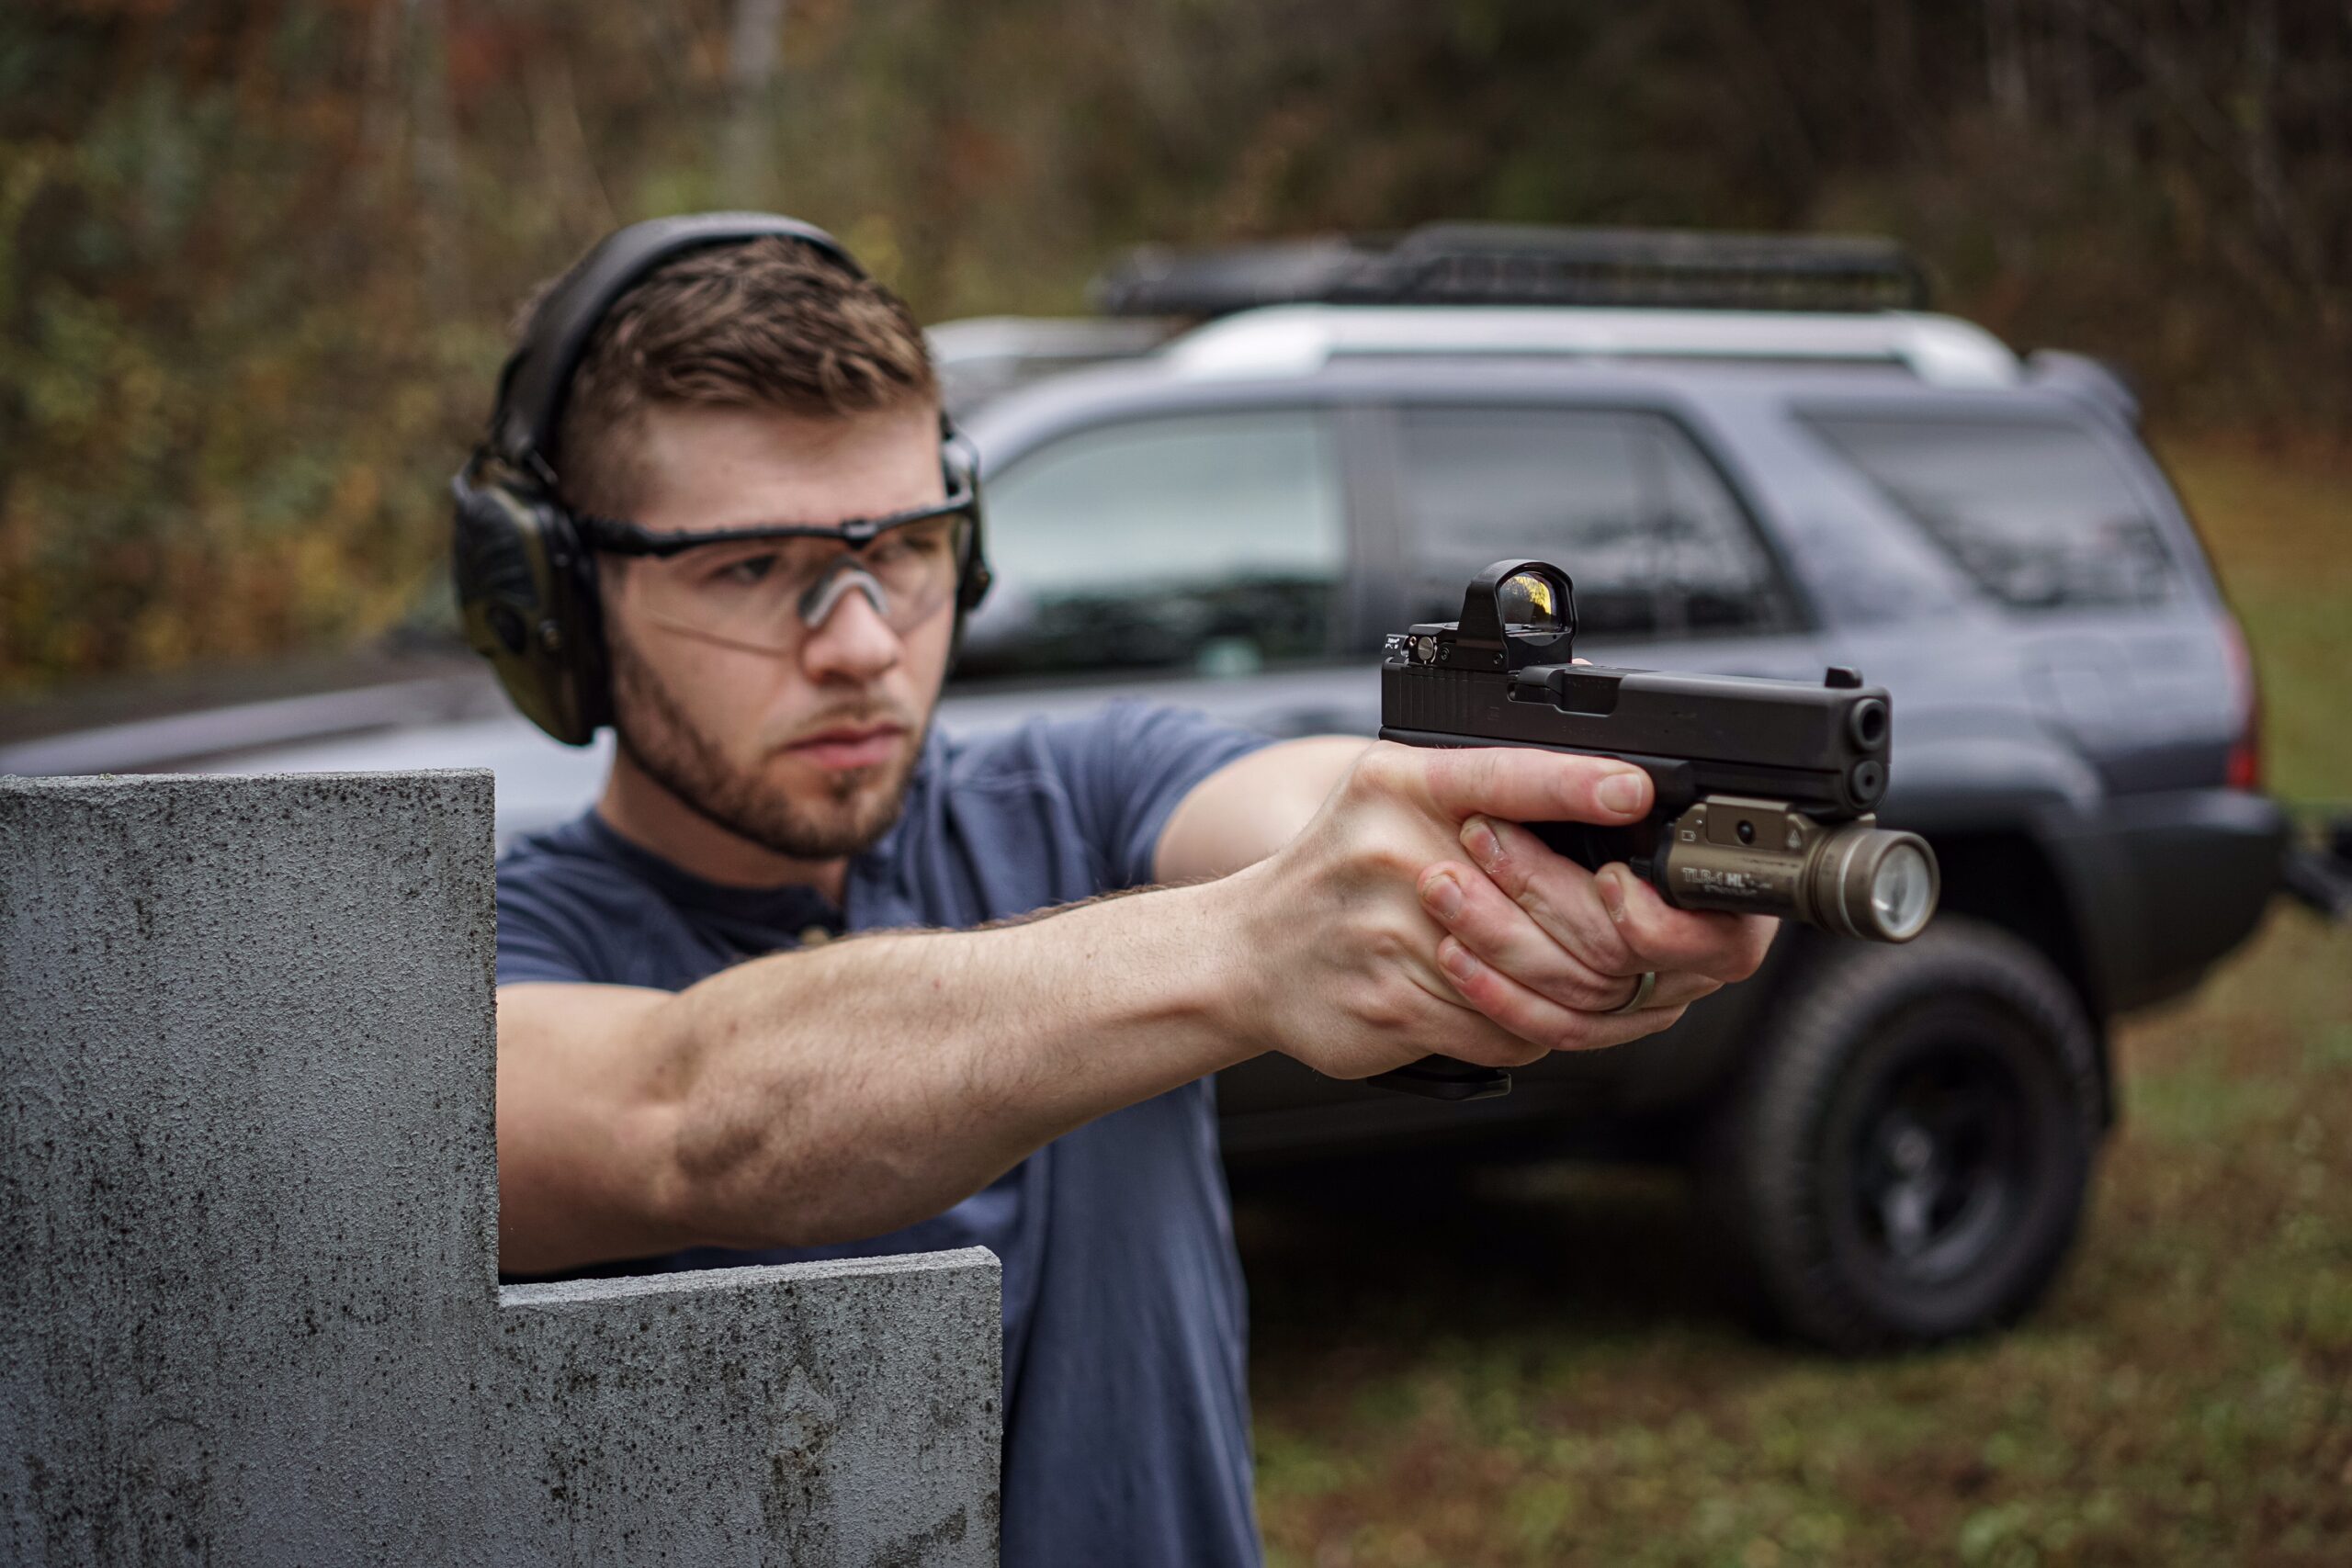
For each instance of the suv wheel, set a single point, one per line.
(1907, 1157)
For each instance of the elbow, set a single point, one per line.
(730, 1183)
(729, 1179)
(708, 1167)
(714, 1179)
(760, 1163)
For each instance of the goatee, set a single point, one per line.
(859, 804)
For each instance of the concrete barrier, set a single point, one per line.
(249, 1306)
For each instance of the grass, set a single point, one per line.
(1538, 1367)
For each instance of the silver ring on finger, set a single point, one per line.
(1641, 996)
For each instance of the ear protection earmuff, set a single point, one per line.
(526, 583)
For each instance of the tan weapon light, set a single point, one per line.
(1760, 857)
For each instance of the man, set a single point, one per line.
(692, 1072)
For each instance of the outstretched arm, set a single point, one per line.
(849, 1089)
(845, 1090)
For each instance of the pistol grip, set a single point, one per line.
(1442, 1077)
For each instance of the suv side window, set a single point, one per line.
(2033, 510)
(1624, 500)
(1212, 542)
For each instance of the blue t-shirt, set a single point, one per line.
(1126, 1434)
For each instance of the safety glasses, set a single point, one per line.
(765, 586)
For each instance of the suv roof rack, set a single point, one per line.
(1503, 263)
(1299, 340)
(981, 357)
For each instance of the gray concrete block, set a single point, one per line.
(249, 1310)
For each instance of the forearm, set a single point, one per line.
(848, 1090)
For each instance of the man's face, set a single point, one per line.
(807, 751)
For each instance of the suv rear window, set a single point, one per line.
(2034, 510)
(1623, 500)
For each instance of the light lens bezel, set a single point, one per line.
(1915, 899)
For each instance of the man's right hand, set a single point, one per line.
(1411, 918)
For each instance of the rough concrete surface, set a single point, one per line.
(249, 1309)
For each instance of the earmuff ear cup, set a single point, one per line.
(528, 608)
(972, 572)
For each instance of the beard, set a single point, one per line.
(856, 807)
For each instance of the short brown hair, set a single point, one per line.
(769, 323)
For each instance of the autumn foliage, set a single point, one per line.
(256, 257)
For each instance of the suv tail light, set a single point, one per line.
(2245, 771)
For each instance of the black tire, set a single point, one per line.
(1906, 1157)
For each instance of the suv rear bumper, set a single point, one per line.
(2164, 884)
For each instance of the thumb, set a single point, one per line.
(1522, 784)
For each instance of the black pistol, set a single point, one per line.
(1764, 787)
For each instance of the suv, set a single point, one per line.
(1751, 465)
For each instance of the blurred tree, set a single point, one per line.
(750, 74)
(257, 256)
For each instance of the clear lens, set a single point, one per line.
(1532, 599)
(1900, 889)
(751, 594)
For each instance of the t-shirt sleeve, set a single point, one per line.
(1127, 768)
(545, 931)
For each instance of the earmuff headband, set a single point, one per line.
(533, 385)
